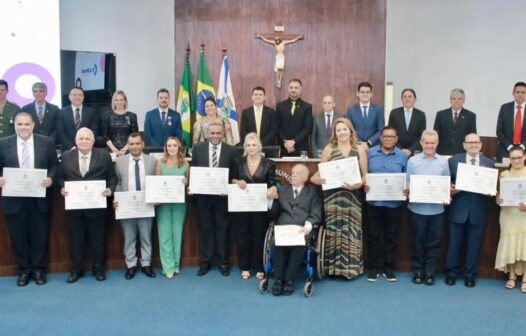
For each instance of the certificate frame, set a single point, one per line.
(132, 204)
(338, 172)
(164, 189)
(251, 199)
(432, 189)
(208, 181)
(382, 187)
(477, 179)
(83, 195)
(23, 182)
(512, 191)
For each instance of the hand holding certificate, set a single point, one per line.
(208, 181)
(337, 173)
(289, 235)
(429, 189)
(85, 194)
(512, 191)
(24, 182)
(476, 179)
(251, 199)
(385, 187)
(131, 204)
(165, 189)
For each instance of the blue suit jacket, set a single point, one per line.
(156, 133)
(369, 129)
(466, 205)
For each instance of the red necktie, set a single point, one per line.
(517, 130)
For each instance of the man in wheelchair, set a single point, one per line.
(297, 204)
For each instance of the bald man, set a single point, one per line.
(322, 125)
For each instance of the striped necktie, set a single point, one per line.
(25, 156)
(214, 156)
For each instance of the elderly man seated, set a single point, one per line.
(297, 204)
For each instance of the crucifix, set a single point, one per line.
(279, 39)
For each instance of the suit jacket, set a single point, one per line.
(505, 127)
(156, 133)
(45, 157)
(66, 129)
(451, 136)
(369, 129)
(49, 124)
(305, 207)
(7, 119)
(466, 205)
(320, 138)
(408, 138)
(295, 127)
(227, 157)
(122, 165)
(265, 172)
(100, 168)
(268, 125)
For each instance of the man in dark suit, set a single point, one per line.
(367, 118)
(467, 216)
(297, 204)
(85, 163)
(453, 124)
(511, 129)
(409, 123)
(322, 126)
(73, 117)
(45, 115)
(27, 218)
(162, 122)
(259, 119)
(213, 215)
(294, 120)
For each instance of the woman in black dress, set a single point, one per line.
(252, 226)
(118, 124)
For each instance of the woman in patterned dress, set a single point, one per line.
(343, 206)
(201, 126)
(118, 124)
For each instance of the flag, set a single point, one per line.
(185, 102)
(205, 88)
(225, 99)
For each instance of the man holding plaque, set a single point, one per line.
(427, 218)
(85, 163)
(131, 172)
(467, 216)
(383, 217)
(27, 218)
(212, 213)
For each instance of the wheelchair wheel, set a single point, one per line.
(266, 245)
(320, 257)
(263, 286)
(308, 289)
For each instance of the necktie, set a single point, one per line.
(163, 118)
(474, 162)
(83, 165)
(365, 112)
(328, 126)
(258, 121)
(517, 130)
(455, 117)
(293, 108)
(407, 119)
(25, 156)
(40, 114)
(137, 175)
(77, 118)
(296, 192)
(214, 156)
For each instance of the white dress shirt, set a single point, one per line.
(88, 160)
(131, 173)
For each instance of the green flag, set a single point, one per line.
(185, 102)
(205, 88)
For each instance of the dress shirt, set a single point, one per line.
(161, 114)
(43, 108)
(457, 112)
(477, 159)
(408, 112)
(258, 113)
(30, 149)
(210, 151)
(379, 162)
(75, 112)
(422, 165)
(131, 173)
(368, 105)
(88, 160)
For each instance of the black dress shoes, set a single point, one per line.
(470, 282)
(74, 277)
(130, 273)
(288, 287)
(277, 289)
(225, 270)
(99, 275)
(418, 278)
(148, 271)
(203, 269)
(23, 280)
(40, 277)
(450, 280)
(429, 279)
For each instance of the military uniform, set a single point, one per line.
(7, 119)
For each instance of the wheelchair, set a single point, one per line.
(315, 245)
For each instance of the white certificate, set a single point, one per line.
(132, 205)
(208, 181)
(512, 191)
(386, 187)
(85, 195)
(252, 199)
(338, 172)
(429, 189)
(165, 189)
(475, 179)
(289, 235)
(20, 182)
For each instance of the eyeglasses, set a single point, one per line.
(389, 136)
(517, 158)
(472, 142)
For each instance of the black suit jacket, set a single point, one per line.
(66, 129)
(305, 207)
(408, 138)
(505, 127)
(45, 158)
(451, 136)
(265, 172)
(100, 168)
(50, 122)
(268, 125)
(295, 127)
(227, 157)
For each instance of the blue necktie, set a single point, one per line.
(365, 112)
(163, 118)
(137, 175)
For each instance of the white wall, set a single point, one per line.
(139, 32)
(477, 45)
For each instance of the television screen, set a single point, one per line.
(90, 69)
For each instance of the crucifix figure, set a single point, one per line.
(279, 39)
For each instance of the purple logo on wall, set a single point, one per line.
(18, 70)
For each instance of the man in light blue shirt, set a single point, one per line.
(427, 219)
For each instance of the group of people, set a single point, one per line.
(403, 146)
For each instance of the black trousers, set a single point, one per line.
(251, 228)
(468, 235)
(287, 260)
(382, 232)
(93, 229)
(427, 232)
(29, 236)
(212, 214)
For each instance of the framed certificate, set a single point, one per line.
(512, 191)
(338, 172)
(164, 189)
(21, 182)
(429, 189)
(386, 187)
(289, 235)
(132, 205)
(252, 199)
(85, 195)
(475, 179)
(208, 181)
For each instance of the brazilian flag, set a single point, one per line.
(205, 88)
